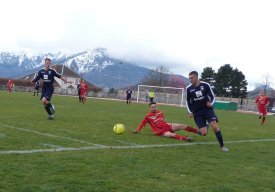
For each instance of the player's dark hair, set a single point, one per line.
(152, 103)
(194, 73)
(47, 59)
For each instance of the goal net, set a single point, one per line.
(167, 95)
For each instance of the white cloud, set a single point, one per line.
(182, 34)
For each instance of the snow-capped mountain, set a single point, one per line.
(94, 65)
(90, 60)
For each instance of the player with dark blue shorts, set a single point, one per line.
(48, 74)
(128, 95)
(199, 100)
(36, 88)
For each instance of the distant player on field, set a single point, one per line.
(36, 88)
(10, 84)
(83, 90)
(200, 99)
(128, 95)
(79, 91)
(151, 95)
(160, 127)
(48, 74)
(262, 102)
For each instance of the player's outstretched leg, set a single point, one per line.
(178, 137)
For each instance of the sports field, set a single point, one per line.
(78, 151)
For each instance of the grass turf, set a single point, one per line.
(89, 163)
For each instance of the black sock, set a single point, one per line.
(47, 108)
(219, 137)
(50, 105)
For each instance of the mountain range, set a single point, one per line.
(93, 65)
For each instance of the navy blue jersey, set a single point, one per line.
(197, 97)
(37, 84)
(48, 77)
(129, 93)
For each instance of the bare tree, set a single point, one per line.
(157, 77)
(267, 82)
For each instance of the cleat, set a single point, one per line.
(224, 149)
(51, 117)
(189, 139)
(52, 109)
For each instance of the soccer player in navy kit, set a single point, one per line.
(200, 99)
(48, 74)
(128, 95)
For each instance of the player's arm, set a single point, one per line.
(61, 77)
(65, 80)
(141, 125)
(37, 77)
(188, 104)
(210, 95)
(267, 102)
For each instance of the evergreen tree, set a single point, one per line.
(208, 75)
(223, 80)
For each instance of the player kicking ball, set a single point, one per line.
(160, 127)
(47, 75)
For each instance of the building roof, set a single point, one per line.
(67, 72)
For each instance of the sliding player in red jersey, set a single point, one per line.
(83, 90)
(262, 102)
(160, 127)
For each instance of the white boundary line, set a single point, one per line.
(126, 147)
(51, 135)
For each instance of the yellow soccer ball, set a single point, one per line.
(119, 129)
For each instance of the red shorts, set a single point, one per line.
(262, 110)
(164, 130)
(82, 93)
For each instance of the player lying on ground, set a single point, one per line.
(160, 127)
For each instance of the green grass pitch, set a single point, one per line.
(78, 151)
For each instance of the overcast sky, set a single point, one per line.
(182, 35)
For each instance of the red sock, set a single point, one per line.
(180, 137)
(263, 120)
(191, 129)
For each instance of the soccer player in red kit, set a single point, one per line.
(10, 85)
(262, 102)
(83, 90)
(160, 127)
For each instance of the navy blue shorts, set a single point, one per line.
(47, 93)
(202, 118)
(128, 97)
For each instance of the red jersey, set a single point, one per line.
(262, 101)
(156, 120)
(83, 88)
(10, 83)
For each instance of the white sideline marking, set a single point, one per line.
(51, 135)
(50, 145)
(126, 147)
(65, 130)
(119, 141)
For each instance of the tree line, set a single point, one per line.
(226, 82)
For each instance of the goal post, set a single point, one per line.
(167, 95)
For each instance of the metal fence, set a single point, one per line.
(166, 98)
